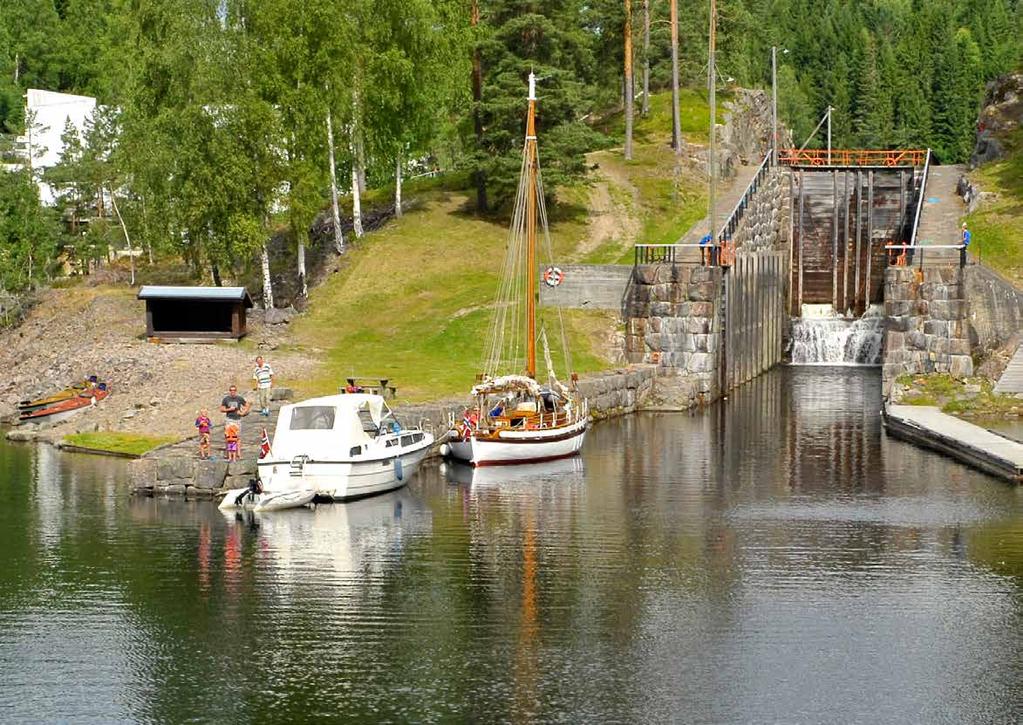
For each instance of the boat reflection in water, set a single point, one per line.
(359, 537)
(569, 470)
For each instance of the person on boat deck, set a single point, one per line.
(234, 406)
(548, 400)
(497, 410)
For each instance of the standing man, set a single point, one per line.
(264, 377)
(967, 238)
(233, 405)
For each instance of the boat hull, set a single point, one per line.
(346, 480)
(63, 410)
(514, 447)
(243, 498)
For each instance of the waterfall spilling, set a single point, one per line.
(822, 337)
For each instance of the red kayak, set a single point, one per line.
(66, 408)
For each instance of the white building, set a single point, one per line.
(49, 113)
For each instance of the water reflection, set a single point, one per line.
(773, 558)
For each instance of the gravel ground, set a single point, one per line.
(155, 389)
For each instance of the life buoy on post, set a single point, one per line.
(553, 276)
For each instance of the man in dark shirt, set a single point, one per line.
(234, 405)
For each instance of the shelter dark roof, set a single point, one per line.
(212, 294)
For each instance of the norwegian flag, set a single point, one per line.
(264, 445)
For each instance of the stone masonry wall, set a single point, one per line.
(926, 323)
(765, 222)
(673, 322)
(996, 308)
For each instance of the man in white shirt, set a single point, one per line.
(264, 377)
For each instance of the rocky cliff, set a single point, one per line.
(1001, 115)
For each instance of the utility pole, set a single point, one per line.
(774, 105)
(628, 80)
(712, 80)
(676, 118)
(646, 57)
(829, 135)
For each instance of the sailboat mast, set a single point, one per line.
(531, 166)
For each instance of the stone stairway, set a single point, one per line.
(1011, 381)
(941, 215)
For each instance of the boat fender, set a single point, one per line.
(445, 449)
(398, 472)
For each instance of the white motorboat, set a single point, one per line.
(342, 447)
(257, 500)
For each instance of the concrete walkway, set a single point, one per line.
(969, 443)
(726, 197)
(941, 215)
(1011, 381)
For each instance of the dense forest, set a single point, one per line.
(223, 120)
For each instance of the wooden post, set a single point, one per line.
(646, 57)
(834, 240)
(799, 309)
(629, 95)
(899, 237)
(792, 243)
(859, 236)
(870, 231)
(845, 243)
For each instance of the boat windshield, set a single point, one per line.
(312, 417)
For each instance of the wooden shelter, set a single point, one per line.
(195, 314)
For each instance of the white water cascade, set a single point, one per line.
(823, 337)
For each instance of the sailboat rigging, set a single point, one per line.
(513, 418)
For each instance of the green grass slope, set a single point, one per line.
(997, 225)
(412, 301)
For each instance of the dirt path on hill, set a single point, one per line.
(155, 389)
(613, 208)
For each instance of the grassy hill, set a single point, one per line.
(412, 300)
(997, 225)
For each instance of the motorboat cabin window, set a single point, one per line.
(366, 418)
(392, 442)
(312, 417)
(406, 440)
(356, 451)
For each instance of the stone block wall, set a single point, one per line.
(926, 322)
(673, 321)
(996, 308)
(765, 222)
(176, 471)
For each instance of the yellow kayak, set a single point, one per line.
(27, 406)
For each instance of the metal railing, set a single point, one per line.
(711, 254)
(906, 259)
(920, 198)
(662, 253)
(853, 157)
(734, 219)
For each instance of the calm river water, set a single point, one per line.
(773, 559)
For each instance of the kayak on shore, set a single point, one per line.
(64, 409)
(72, 391)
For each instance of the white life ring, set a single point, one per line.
(553, 276)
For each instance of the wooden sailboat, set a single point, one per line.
(514, 418)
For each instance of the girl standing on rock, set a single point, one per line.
(204, 424)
